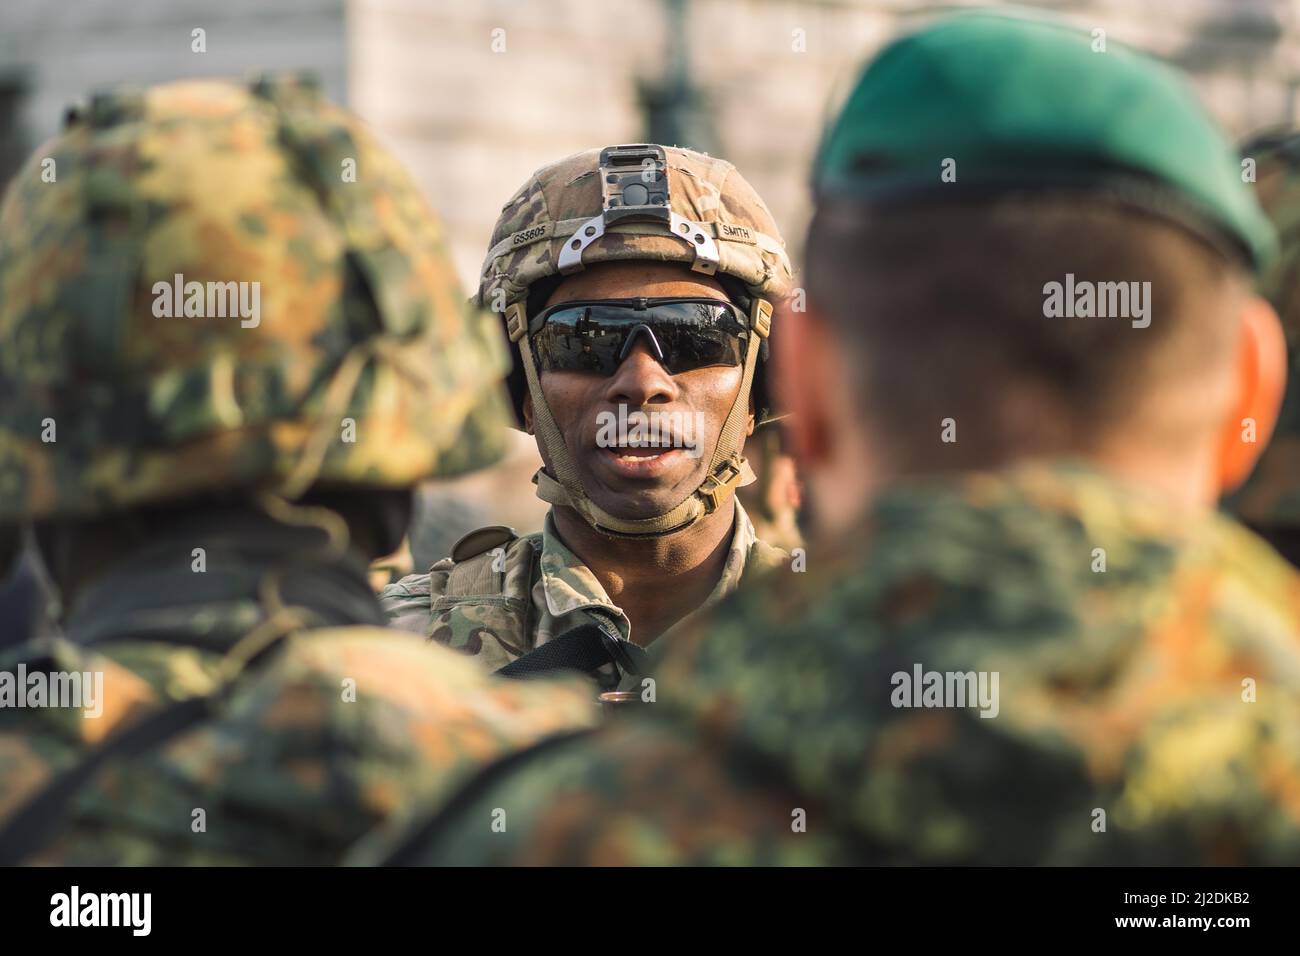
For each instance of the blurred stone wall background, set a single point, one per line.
(53, 51)
(476, 94)
(475, 111)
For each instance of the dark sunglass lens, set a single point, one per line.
(699, 334)
(686, 351)
(701, 315)
(581, 339)
(590, 338)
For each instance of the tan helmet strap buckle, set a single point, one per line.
(516, 320)
(721, 482)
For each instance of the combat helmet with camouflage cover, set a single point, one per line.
(635, 202)
(132, 370)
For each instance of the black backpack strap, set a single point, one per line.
(40, 815)
(585, 648)
(419, 841)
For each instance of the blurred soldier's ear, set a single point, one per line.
(528, 414)
(821, 387)
(807, 379)
(1261, 382)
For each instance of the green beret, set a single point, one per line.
(985, 103)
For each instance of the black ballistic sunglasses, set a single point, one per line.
(595, 336)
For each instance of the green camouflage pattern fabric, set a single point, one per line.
(1272, 495)
(558, 198)
(289, 770)
(362, 365)
(544, 585)
(319, 723)
(1121, 690)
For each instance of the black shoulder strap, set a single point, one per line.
(584, 648)
(40, 815)
(418, 841)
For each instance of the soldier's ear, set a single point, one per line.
(528, 414)
(1261, 383)
(804, 375)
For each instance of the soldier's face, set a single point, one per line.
(627, 481)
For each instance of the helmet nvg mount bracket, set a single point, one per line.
(634, 187)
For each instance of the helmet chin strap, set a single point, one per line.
(727, 470)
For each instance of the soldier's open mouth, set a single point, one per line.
(627, 455)
(646, 461)
(647, 449)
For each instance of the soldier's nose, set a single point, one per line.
(640, 379)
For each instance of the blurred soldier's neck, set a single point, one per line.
(1167, 443)
(218, 555)
(656, 581)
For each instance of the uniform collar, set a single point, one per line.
(571, 586)
(155, 593)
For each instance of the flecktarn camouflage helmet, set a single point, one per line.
(635, 202)
(209, 285)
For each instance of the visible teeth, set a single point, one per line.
(638, 457)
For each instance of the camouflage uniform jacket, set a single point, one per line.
(542, 585)
(293, 756)
(1148, 710)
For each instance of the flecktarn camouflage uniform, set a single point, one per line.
(775, 740)
(259, 711)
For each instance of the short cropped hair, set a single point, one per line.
(941, 307)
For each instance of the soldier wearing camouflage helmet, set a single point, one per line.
(230, 343)
(636, 284)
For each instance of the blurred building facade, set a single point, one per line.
(475, 96)
(52, 52)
